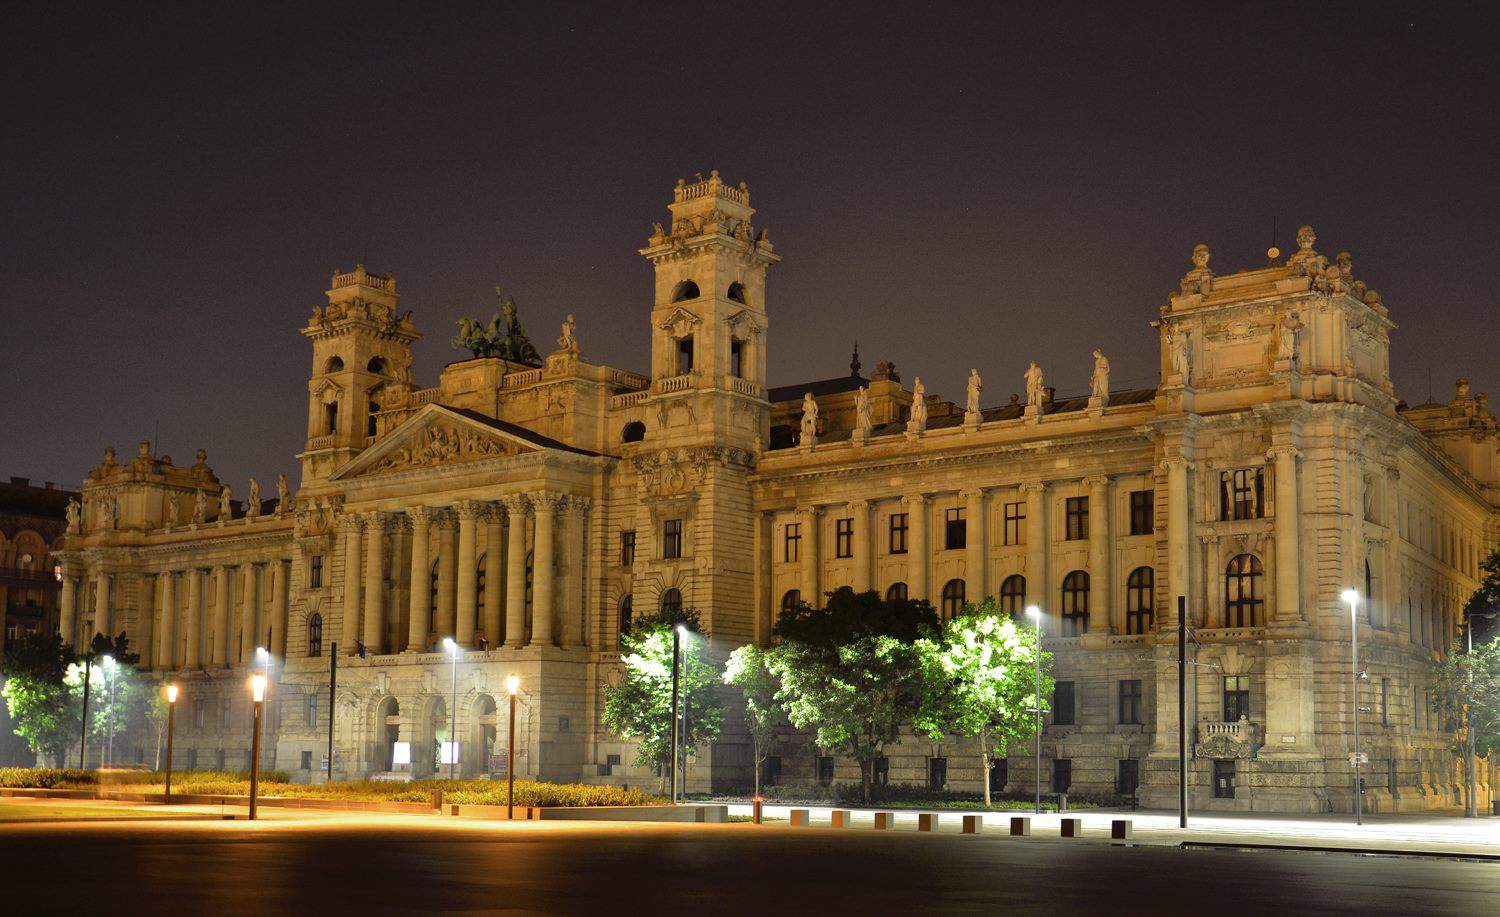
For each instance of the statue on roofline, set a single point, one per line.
(503, 337)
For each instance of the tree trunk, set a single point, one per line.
(865, 767)
(984, 768)
(755, 753)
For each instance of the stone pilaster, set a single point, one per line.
(494, 576)
(1287, 523)
(810, 517)
(277, 572)
(466, 604)
(575, 563)
(352, 526)
(101, 605)
(250, 630)
(1099, 542)
(917, 561)
(192, 620)
(976, 544)
(863, 559)
(166, 631)
(1036, 544)
(374, 594)
(419, 608)
(1179, 525)
(447, 575)
(223, 598)
(67, 624)
(516, 506)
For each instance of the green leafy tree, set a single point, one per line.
(749, 669)
(1468, 695)
(43, 705)
(852, 673)
(640, 706)
(981, 672)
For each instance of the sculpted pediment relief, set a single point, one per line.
(680, 323)
(434, 438)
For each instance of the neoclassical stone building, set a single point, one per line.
(526, 504)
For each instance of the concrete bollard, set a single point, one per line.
(1020, 826)
(973, 824)
(926, 821)
(799, 818)
(759, 803)
(839, 818)
(1121, 830)
(885, 821)
(1072, 827)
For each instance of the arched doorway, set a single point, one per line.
(431, 733)
(387, 733)
(480, 739)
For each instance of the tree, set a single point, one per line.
(43, 705)
(1467, 695)
(981, 671)
(640, 706)
(749, 669)
(851, 671)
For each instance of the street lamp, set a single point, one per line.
(678, 633)
(83, 734)
(258, 695)
(171, 716)
(109, 712)
(1352, 598)
(512, 687)
(1035, 614)
(1471, 806)
(452, 647)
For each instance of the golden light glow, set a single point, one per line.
(258, 687)
(172, 693)
(513, 684)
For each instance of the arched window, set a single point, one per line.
(315, 634)
(790, 600)
(737, 291)
(671, 601)
(1244, 595)
(1013, 595)
(331, 415)
(1140, 601)
(897, 593)
(684, 291)
(953, 598)
(634, 432)
(1075, 604)
(376, 365)
(334, 364)
(627, 609)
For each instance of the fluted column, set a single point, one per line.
(1288, 560)
(101, 605)
(166, 631)
(192, 620)
(419, 607)
(494, 576)
(1099, 578)
(1356, 554)
(468, 572)
(353, 526)
(223, 591)
(515, 570)
(810, 518)
(250, 622)
(1393, 587)
(1036, 547)
(374, 629)
(917, 561)
(543, 580)
(67, 622)
(575, 524)
(278, 570)
(976, 544)
(859, 514)
(1179, 523)
(447, 572)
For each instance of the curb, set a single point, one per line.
(1362, 851)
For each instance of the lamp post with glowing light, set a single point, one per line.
(1035, 614)
(677, 635)
(109, 712)
(512, 687)
(452, 647)
(171, 716)
(258, 695)
(1352, 597)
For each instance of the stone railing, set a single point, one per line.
(625, 378)
(361, 276)
(714, 185)
(744, 387)
(627, 400)
(521, 379)
(320, 442)
(426, 395)
(674, 383)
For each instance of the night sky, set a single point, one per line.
(952, 187)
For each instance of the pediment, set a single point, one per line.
(681, 322)
(434, 437)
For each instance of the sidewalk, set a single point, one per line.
(1395, 834)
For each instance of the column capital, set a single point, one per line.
(375, 520)
(917, 500)
(1033, 488)
(1175, 462)
(1277, 452)
(809, 509)
(971, 493)
(577, 504)
(420, 515)
(443, 518)
(399, 522)
(470, 509)
(516, 504)
(858, 505)
(351, 523)
(547, 501)
(1096, 481)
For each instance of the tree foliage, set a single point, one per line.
(749, 669)
(1468, 685)
(44, 707)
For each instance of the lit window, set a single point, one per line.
(1077, 518)
(671, 539)
(1244, 598)
(1075, 603)
(1140, 601)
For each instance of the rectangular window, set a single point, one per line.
(937, 773)
(898, 533)
(1236, 698)
(1015, 524)
(1128, 777)
(200, 712)
(1062, 703)
(770, 770)
(825, 770)
(1385, 702)
(1077, 512)
(880, 773)
(307, 760)
(1130, 701)
(1062, 775)
(1224, 779)
(1242, 494)
(671, 539)
(311, 710)
(627, 548)
(315, 572)
(999, 775)
(1142, 512)
(955, 530)
(684, 355)
(843, 537)
(791, 547)
(219, 760)
(192, 760)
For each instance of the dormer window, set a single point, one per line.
(685, 355)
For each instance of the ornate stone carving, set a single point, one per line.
(568, 343)
(863, 424)
(918, 421)
(283, 495)
(441, 444)
(809, 421)
(252, 502)
(1034, 381)
(1099, 382)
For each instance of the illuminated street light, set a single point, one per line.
(109, 712)
(512, 687)
(1352, 598)
(452, 647)
(678, 633)
(258, 695)
(171, 717)
(1035, 614)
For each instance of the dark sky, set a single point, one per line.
(952, 186)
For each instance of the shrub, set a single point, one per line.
(45, 778)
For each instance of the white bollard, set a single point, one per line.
(973, 824)
(1121, 830)
(885, 821)
(839, 818)
(1072, 827)
(926, 821)
(1020, 826)
(799, 818)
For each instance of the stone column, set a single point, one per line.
(166, 633)
(515, 570)
(67, 623)
(976, 545)
(468, 573)
(352, 525)
(148, 610)
(1179, 524)
(916, 547)
(1287, 523)
(1393, 589)
(374, 629)
(809, 518)
(419, 609)
(101, 605)
(494, 576)
(863, 562)
(192, 620)
(575, 558)
(543, 604)
(250, 620)
(223, 590)
(278, 570)
(1036, 548)
(1099, 580)
(447, 572)
(1357, 552)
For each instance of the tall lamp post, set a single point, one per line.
(109, 712)
(1352, 597)
(171, 717)
(677, 633)
(1471, 806)
(512, 687)
(1035, 614)
(258, 695)
(452, 647)
(83, 737)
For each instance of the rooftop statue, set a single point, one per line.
(1099, 383)
(971, 404)
(862, 420)
(809, 419)
(1034, 386)
(503, 337)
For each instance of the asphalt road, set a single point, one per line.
(417, 865)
